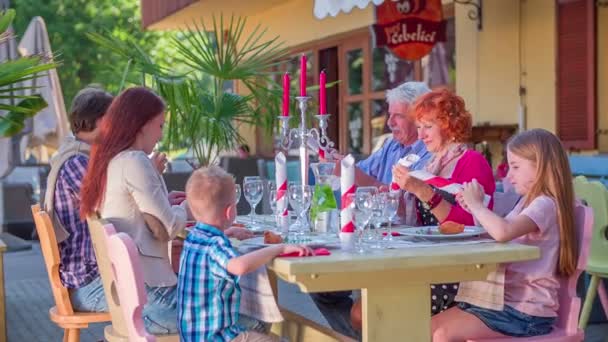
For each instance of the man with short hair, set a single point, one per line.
(78, 269)
(376, 170)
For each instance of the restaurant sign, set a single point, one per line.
(410, 28)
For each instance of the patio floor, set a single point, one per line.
(28, 298)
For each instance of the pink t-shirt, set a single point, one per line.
(532, 286)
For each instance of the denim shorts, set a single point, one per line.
(511, 322)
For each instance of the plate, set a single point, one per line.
(432, 232)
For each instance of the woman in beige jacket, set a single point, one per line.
(125, 187)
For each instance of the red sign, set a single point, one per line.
(410, 28)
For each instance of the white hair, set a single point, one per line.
(407, 92)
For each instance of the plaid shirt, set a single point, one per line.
(78, 264)
(208, 296)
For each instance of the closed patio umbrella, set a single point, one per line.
(50, 125)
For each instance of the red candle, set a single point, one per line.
(322, 96)
(303, 75)
(286, 86)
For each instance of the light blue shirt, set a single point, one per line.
(380, 164)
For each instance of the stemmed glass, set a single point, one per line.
(360, 216)
(237, 190)
(391, 204)
(376, 205)
(371, 191)
(253, 188)
(300, 197)
(272, 200)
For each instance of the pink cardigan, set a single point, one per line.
(472, 165)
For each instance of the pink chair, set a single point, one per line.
(566, 328)
(129, 283)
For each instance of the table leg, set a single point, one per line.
(397, 313)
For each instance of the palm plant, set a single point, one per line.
(12, 75)
(201, 114)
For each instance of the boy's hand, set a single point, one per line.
(176, 197)
(300, 249)
(238, 233)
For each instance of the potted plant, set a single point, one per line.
(18, 108)
(202, 116)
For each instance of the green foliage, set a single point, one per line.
(201, 114)
(12, 73)
(84, 62)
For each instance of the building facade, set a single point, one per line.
(525, 63)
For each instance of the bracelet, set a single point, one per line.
(434, 201)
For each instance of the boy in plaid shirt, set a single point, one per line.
(208, 281)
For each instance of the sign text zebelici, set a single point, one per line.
(410, 28)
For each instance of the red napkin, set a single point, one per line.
(318, 252)
(392, 234)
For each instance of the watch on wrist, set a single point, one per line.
(434, 201)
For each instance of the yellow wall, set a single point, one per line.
(488, 62)
(602, 80)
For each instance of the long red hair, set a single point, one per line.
(127, 114)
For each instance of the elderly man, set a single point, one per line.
(376, 170)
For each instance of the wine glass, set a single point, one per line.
(253, 189)
(237, 190)
(300, 197)
(391, 204)
(360, 217)
(371, 191)
(376, 204)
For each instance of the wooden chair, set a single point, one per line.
(566, 328)
(596, 196)
(118, 331)
(130, 289)
(62, 313)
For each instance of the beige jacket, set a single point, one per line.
(133, 188)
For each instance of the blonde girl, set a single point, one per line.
(544, 217)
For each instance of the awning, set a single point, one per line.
(323, 8)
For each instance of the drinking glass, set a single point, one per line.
(365, 195)
(253, 189)
(360, 218)
(376, 204)
(300, 197)
(237, 190)
(272, 198)
(391, 204)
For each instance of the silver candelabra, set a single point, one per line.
(305, 136)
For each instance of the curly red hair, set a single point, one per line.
(447, 110)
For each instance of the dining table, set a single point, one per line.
(395, 282)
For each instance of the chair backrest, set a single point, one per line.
(128, 278)
(569, 302)
(97, 228)
(596, 196)
(50, 252)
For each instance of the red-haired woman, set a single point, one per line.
(124, 186)
(445, 127)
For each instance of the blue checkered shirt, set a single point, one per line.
(78, 264)
(380, 164)
(208, 296)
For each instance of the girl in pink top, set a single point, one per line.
(544, 217)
